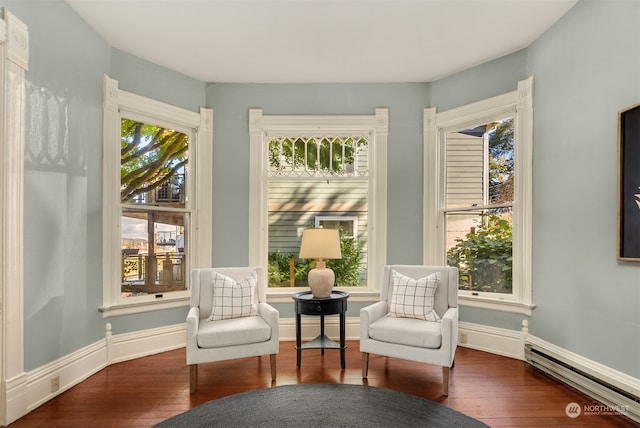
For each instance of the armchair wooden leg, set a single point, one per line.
(365, 364)
(445, 381)
(193, 378)
(273, 366)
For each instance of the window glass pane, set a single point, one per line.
(311, 178)
(294, 206)
(318, 156)
(480, 244)
(348, 224)
(480, 165)
(501, 161)
(153, 252)
(153, 161)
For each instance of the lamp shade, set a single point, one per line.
(320, 244)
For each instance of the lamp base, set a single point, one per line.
(321, 280)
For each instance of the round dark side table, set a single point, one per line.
(306, 304)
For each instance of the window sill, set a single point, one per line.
(141, 306)
(494, 304)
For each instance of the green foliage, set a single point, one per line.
(485, 257)
(279, 271)
(501, 162)
(320, 154)
(347, 269)
(150, 156)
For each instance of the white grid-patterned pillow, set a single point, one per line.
(413, 298)
(233, 299)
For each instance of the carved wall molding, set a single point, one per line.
(17, 41)
(14, 58)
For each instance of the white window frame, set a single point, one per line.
(352, 218)
(519, 105)
(118, 103)
(376, 128)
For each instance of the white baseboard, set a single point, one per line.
(28, 391)
(138, 344)
(499, 341)
(589, 377)
(15, 391)
(70, 370)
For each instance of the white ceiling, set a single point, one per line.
(277, 41)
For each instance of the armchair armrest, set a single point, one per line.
(193, 321)
(369, 314)
(450, 332)
(270, 315)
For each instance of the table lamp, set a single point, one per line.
(320, 244)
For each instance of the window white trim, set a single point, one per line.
(518, 103)
(14, 62)
(261, 127)
(201, 125)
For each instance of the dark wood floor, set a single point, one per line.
(139, 393)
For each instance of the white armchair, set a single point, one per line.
(231, 325)
(414, 333)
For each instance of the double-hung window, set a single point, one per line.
(156, 198)
(318, 171)
(478, 163)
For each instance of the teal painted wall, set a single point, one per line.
(62, 186)
(231, 104)
(152, 81)
(63, 197)
(585, 70)
(478, 83)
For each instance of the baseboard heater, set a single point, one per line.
(616, 399)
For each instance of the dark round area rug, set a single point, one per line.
(321, 405)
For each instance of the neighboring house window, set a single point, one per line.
(312, 171)
(478, 160)
(157, 162)
(348, 224)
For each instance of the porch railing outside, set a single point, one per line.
(165, 273)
